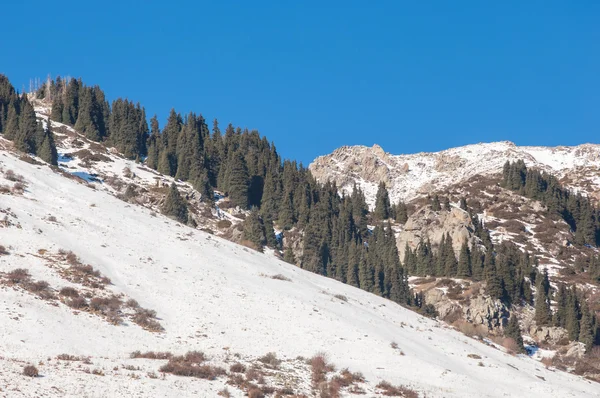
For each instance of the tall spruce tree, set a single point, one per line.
(174, 205)
(382, 203)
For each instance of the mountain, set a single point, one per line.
(207, 294)
(410, 176)
(147, 261)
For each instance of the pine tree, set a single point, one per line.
(288, 256)
(401, 213)
(464, 261)
(238, 180)
(11, 128)
(435, 203)
(586, 326)
(48, 152)
(174, 205)
(382, 203)
(573, 314)
(514, 332)
(463, 203)
(254, 230)
(25, 138)
(542, 304)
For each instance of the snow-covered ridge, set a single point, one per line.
(408, 176)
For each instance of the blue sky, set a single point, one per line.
(410, 76)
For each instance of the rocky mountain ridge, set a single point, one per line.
(413, 175)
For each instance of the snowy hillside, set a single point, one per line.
(408, 176)
(209, 295)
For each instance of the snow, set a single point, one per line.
(212, 295)
(442, 169)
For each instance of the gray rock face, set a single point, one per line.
(487, 312)
(426, 224)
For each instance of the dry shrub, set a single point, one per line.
(131, 303)
(69, 292)
(319, 368)
(38, 286)
(255, 392)
(341, 297)
(347, 378)
(105, 304)
(224, 393)
(470, 329)
(151, 355)
(223, 224)
(510, 344)
(280, 277)
(390, 390)
(19, 275)
(30, 371)
(3, 250)
(10, 175)
(4, 189)
(98, 372)
(237, 368)
(254, 374)
(19, 188)
(145, 318)
(190, 365)
(270, 359)
(72, 258)
(547, 362)
(454, 316)
(67, 357)
(77, 303)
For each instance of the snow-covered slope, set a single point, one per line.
(214, 296)
(408, 176)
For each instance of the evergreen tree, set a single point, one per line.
(48, 151)
(514, 332)
(174, 205)
(382, 203)
(254, 230)
(542, 304)
(288, 256)
(11, 127)
(586, 326)
(435, 203)
(238, 180)
(464, 261)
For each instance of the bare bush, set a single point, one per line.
(396, 391)
(69, 292)
(281, 277)
(191, 365)
(152, 355)
(77, 303)
(30, 371)
(3, 250)
(223, 224)
(67, 357)
(237, 368)
(19, 275)
(319, 368)
(10, 175)
(270, 360)
(341, 297)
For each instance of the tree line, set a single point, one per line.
(574, 208)
(19, 124)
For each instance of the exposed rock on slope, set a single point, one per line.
(408, 176)
(426, 224)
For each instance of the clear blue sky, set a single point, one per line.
(410, 76)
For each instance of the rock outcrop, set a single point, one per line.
(427, 224)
